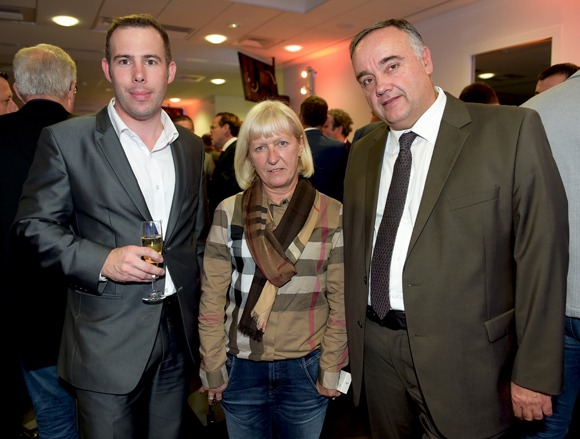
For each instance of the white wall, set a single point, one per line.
(453, 38)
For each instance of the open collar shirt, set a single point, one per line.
(154, 170)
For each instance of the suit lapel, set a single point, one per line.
(450, 141)
(110, 145)
(179, 163)
(373, 170)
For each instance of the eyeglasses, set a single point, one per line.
(76, 88)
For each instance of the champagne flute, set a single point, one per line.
(152, 237)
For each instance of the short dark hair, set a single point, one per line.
(314, 111)
(232, 120)
(340, 118)
(206, 139)
(3, 75)
(567, 69)
(183, 117)
(480, 93)
(416, 40)
(137, 20)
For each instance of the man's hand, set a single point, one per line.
(529, 405)
(213, 393)
(124, 264)
(327, 393)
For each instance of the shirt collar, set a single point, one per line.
(427, 126)
(166, 138)
(228, 143)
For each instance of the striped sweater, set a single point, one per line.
(308, 313)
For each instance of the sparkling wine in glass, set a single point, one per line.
(152, 236)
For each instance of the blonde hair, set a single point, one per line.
(267, 119)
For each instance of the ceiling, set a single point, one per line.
(262, 33)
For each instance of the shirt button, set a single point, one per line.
(157, 187)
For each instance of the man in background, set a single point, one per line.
(45, 81)
(327, 153)
(338, 126)
(559, 108)
(208, 164)
(224, 135)
(7, 104)
(479, 93)
(456, 248)
(93, 183)
(555, 75)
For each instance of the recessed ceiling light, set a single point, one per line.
(65, 20)
(233, 25)
(293, 48)
(216, 39)
(218, 81)
(486, 75)
(174, 100)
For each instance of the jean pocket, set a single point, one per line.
(309, 365)
(230, 367)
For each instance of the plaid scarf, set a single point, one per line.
(272, 250)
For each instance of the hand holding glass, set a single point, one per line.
(152, 236)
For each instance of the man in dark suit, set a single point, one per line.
(328, 154)
(224, 135)
(94, 180)
(338, 126)
(39, 295)
(456, 248)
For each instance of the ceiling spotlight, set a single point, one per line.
(64, 20)
(233, 25)
(293, 48)
(218, 81)
(304, 73)
(174, 100)
(303, 90)
(486, 75)
(216, 39)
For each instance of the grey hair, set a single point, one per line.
(415, 38)
(44, 70)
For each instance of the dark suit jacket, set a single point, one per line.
(363, 131)
(485, 276)
(41, 293)
(329, 163)
(223, 181)
(80, 201)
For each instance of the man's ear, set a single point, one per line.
(105, 66)
(15, 87)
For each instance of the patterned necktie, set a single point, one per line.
(383, 252)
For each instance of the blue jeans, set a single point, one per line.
(556, 426)
(266, 398)
(54, 406)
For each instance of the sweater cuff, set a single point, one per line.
(215, 378)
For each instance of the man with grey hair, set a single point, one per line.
(45, 79)
(456, 243)
(95, 184)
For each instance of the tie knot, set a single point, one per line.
(407, 139)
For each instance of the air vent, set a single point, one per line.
(102, 24)
(16, 14)
(190, 78)
(257, 42)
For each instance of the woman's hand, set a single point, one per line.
(215, 393)
(327, 393)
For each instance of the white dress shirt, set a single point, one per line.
(228, 143)
(427, 129)
(154, 170)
